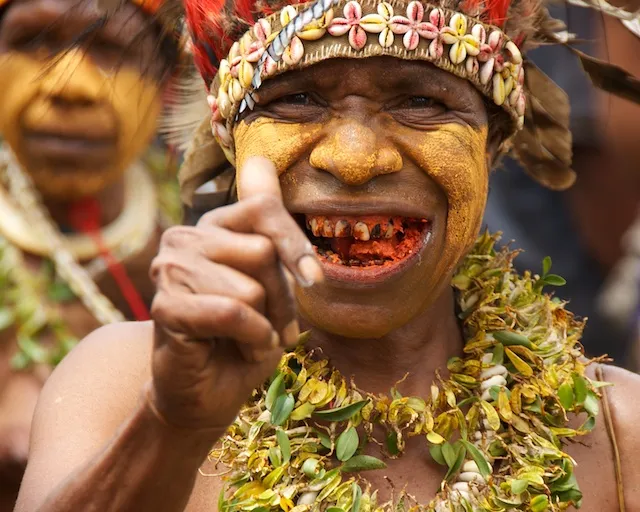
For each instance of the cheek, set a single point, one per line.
(282, 143)
(19, 85)
(454, 156)
(137, 103)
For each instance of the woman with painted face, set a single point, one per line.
(80, 211)
(430, 375)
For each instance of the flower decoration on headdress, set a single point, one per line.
(478, 40)
(413, 27)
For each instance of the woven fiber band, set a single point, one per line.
(452, 41)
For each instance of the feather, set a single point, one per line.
(185, 107)
(605, 8)
(496, 11)
(610, 78)
(543, 146)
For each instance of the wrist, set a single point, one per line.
(196, 441)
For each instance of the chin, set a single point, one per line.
(69, 184)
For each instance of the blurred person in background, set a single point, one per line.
(81, 210)
(588, 229)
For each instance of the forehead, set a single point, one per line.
(72, 17)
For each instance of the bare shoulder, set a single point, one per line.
(83, 403)
(110, 363)
(624, 408)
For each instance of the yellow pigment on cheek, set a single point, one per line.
(282, 143)
(123, 101)
(454, 156)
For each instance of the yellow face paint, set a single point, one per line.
(32, 90)
(282, 143)
(455, 157)
(452, 155)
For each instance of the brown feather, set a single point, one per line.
(543, 146)
(610, 78)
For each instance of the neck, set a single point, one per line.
(417, 350)
(111, 200)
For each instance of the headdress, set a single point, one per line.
(236, 44)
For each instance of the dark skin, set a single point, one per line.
(49, 27)
(158, 395)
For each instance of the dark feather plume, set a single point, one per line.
(543, 146)
(610, 78)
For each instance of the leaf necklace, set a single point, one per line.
(498, 424)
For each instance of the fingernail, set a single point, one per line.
(291, 333)
(275, 340)
(310, 270)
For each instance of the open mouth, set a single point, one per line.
(375, 243)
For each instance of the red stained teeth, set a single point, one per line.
(363, 228)
(343, 229)
(361, 231)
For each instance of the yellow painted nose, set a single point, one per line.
(354, 153)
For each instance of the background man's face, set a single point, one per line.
(76, 115)
(369, 141)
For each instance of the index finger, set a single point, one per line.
(258, 177)
(260, 210)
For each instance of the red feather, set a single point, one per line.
(495, 11)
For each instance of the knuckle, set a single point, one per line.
(254, 295)
(229, 312)
(163, 308)
(265, 251)
(265, 205)
(178, 237)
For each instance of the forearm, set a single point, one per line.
(147, 465)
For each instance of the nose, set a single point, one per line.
(72, 78)
(354, 153)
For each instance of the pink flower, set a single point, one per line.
(413, 27)
(350, 23)
(490, 55)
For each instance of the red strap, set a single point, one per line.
(84, 216)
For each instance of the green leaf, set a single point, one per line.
(334, 509)
(546, 266)
(325, 440)
(588, 425)
(282, 408)
(341, 413)
(20, 361)
(449, 453)
(275, 390)
(275, 456)
(6, 318)
(362, 463)
(392, 443)
(32, 349)
(60, 292)
(453, 470)
(436, 454)
(540, 503)
(565, 394)
(478, 458)
(498, 354)
(519, 486)
(356, 496)
(285, 445)
(555, 280)
(508, 338)
(580, 388)
(591, 404)
(395, 394)
(347, 444)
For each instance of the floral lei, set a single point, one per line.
(497, 424)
